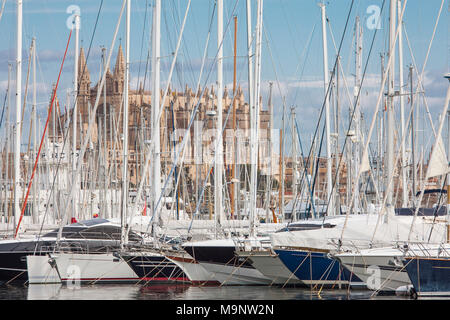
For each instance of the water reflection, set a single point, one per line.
(176, 292)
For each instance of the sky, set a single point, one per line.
(292, 54)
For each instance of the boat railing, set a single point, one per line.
(421, 249)
(253, 245)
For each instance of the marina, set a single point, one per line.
(169, 150)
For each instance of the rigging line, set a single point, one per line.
(142, 44)
(210, 168)
(331, 80)
(70, 123)
(391, 181)
(420, 83)
(2, 9)
(374, 118)
(307, 49)
(193, 112)
(159, 116)
(197, 89)
(185, 53)
(348, 96)
(4, 105)
(437, 208)
(416, 211)
(305, 171)
(65, 140)
(43, 136)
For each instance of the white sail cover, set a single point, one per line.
(359, 231)
(438, 164)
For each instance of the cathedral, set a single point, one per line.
(106, 135)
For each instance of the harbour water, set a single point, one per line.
(179, 292)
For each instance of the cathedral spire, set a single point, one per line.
(84, 78)
(119, 72)
(119, 69)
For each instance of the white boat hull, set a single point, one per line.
(235, 275)
(93, 268)
(271, 266)
(194, 270)
(379, 272)
(40, 271)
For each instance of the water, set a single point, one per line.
(178, 292)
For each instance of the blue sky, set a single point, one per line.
(292, 49)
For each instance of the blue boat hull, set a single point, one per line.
(429, 276)
(316, 268)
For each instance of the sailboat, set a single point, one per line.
(393, 273)
(94, 267)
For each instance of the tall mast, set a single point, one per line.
(390, 110)
(357, 117)
(107, 213)
(327, 113)
(74, 115)
(125, 127)
(234, 184)
(156, 165)
(294, 165)
(413, 135)
(7, 135)
(18, 113)
(251, 96)
(402, 105)
(254, 113)
(282, 167)
(218, 161)
(269, 133)
(34, 124)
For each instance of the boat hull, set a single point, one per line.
(429, 276)
(225, 266)
(42, 270)
(317, 268)
(271, 266)
(382, 273)
(93, 268)
(155, 268)
(196, 273)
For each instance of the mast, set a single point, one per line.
(250, 55)
(123, 216)
(34, 124)
(294, 165)
(357, 117)
(390, 112)
(18, 114)
(413, 136)
(402, 105)
(107, 213)
(74, 115)
(234, 184)
(282, 166)
(7, 135)
(218, 158)
(156, 163)
(254, 114)
(327, 113)
(448, 175)
(269, 173)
